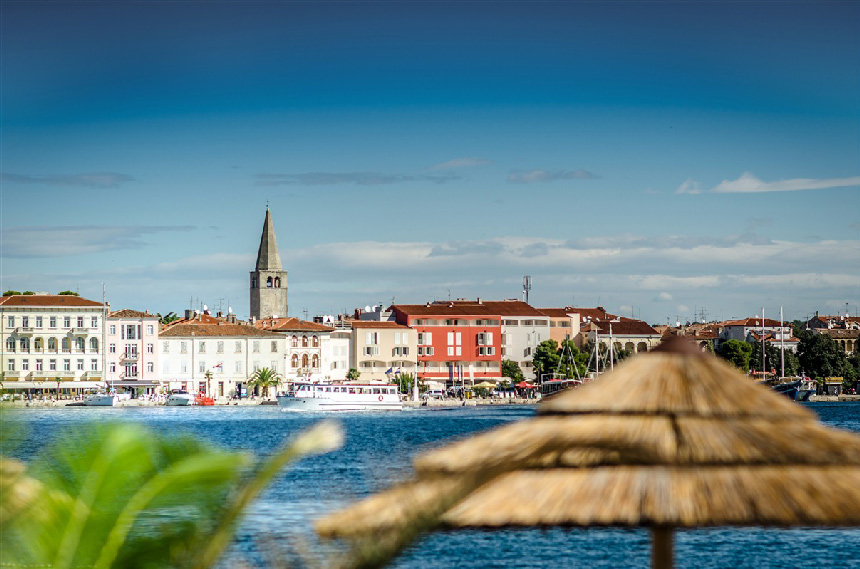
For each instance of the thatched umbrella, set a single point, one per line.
(672, 439)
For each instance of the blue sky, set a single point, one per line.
(652, 157)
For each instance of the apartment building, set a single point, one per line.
(379, 349)
(459, 342)
(307, 355)
(216, 356)
(51, 341)
(132, 359)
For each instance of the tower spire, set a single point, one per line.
(268, 258)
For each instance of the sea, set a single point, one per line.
(378, 452)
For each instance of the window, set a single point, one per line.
(183, 367)
(294, 361)
(113, 367)
(371, 350)
(165, 347)
(165, 367)
(150, 348)
(52, 344)
(38, 321)
(304, 360)
(25, 321)
(425, 337)
(67, 365)
(273, 366)
(239, 347)
(38, 365)
(150, 367)
(256, 367)
(111, 348)
(485, 339)
(131, 350)
(80, 322)
(201, 366)
(94, 322)
(11, 365)
(219, 347)
(129, 332)
(315, 361)
(67, 322)
(256, 346)
(486, 351)
(274, 346)
(315, 342)
(201, 347)
(294, 341)
(94, 345)
(130, 370)
(112, 329)
(10, 321)
(52, 365)
(238, 367)
(150, 329)
(371, 338)
(67, 345)
(455, 338)
(52, 322)
(37, 344)
(25, 345)
(10, 344)
(80, 365)
(183, 347)
(94, 365)
(79, 344)
(304, 341)
(510, 323)
(425, 350)
(25, 365)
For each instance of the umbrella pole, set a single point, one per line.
(661, 548)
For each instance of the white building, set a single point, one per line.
(51, 342)
(132, 360)
(216, 356)
(308, 354)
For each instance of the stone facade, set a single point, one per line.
(268, 280)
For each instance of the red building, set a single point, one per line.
(459, 342)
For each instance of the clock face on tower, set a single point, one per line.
(268, 279)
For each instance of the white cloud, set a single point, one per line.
(529, 176)
(664, 296)
(748, 183)
(98, 180)
(29, 242)
(689, 187)
(468, 162)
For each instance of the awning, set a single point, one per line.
(52, 384)
(130, 383)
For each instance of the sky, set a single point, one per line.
(659, 159)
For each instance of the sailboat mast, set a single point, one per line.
(781, 344)
(762, 344)
(611, 362)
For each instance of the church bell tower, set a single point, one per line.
(268, 280)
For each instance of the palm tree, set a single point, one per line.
(352, 374)
(265, 378)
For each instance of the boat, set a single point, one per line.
(101, 400)
(325, 396)
(798, 389)
(180, 398)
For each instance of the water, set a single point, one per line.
(378, 452)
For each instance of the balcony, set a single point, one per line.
(128, 356)
(24, 330)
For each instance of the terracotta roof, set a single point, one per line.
(752, 322)
(46, 300)
(469, 308)
(377, 324)
(626, 327)
(840, 333)
(128, 313)
(208, 326)
(291, 325)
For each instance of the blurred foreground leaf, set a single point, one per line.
(123, 496)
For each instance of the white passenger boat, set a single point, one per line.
(101, 400)
(180, 398)
(340, 397)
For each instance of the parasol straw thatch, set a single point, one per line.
(674, 438)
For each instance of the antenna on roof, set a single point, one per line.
(527, 287)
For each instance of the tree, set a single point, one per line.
(405, 382)
(12, 293)
(265, 378)
(573, 362)
(352, 374)
(737, 353)
(28, 293)
(68, 293)
(852, 370)
(820, 356)
(167, 318)
(772, 359)
(512, 370)
(545, 358)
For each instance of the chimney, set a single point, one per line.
(188, 314)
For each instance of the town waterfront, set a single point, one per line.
(378, 452)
